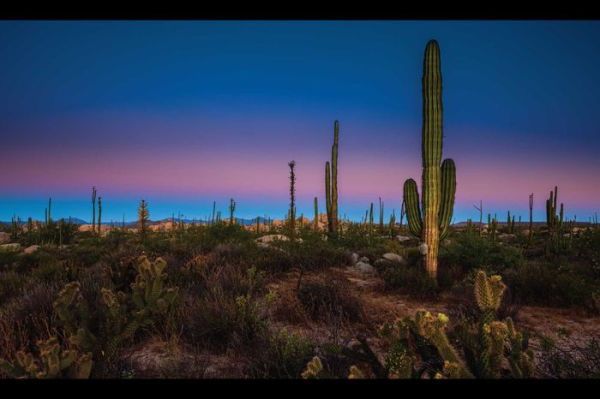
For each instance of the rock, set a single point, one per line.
(394, 258)
(31, 249)
(272, 237)
(423, 249)
(403, 238)
(85, 227)
(364, 267)
(354, 258)
(10, 247)
(505, 236)
(4, 237)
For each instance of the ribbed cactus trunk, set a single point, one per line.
(334, 174)
(331, 194)
(99, 215)
(93, 209)
(292, 164)
(49, 210)
(432, 153)
(328, 195)
(380, 215)
(316, 221)
(431, 221)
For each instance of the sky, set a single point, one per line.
(184, 113)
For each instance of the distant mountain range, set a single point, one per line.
(248, 222)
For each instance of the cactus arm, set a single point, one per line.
(413, 211)
(328, 194)
(334, 174)
(448, 194)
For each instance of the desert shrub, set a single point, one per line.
(283, 355)
(471, 252)
(542, 283)
(224, 303)
(27, 318)
(569, 358)
(11, 284)
(330, 299)
(411, 279)
(8, 259)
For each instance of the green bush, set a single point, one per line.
(284, 355)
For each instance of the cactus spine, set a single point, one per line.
(438, 182)
(331, 194)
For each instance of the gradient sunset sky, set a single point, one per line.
(182, 113)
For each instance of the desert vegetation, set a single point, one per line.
(301, 298)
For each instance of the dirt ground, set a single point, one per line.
(152, 357)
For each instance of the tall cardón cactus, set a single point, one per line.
(331, 194)
(431, 221)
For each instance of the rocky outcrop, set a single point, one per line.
(4, 237)
(394, 258)
(31, 249)
(10, 247)
(403, 238)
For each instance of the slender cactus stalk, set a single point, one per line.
(49, 210)
(231, 211)
(316, 221)
(292, 164)
(331, 173)
(93, 209)
(380, 216)
(99, 215)
(143, 215)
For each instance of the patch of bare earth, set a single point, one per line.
(381, 306)
(156, 358)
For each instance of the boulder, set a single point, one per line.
(423, 249)
(394, 258)
(403, 238)
(4, 237)
(31, 249)
(364, 267)
(10, 247)
(272, 237)
(364, 259)
(85, 227)
(505, 236)
(354, 258)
